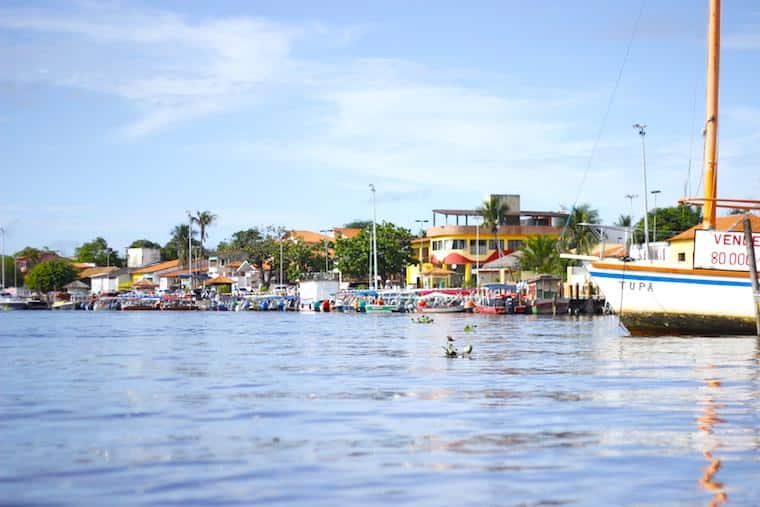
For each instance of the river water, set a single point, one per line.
(121, 408)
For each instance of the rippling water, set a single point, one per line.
(326, 409)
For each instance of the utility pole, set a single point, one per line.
(642, 132)
(630, 198)
(327, 256)
(190, 249)
(421, 222)
(654, 193)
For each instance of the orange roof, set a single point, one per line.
(220, 280)
(143, 284)
(183, 271)
(159, 266)
(83, 265)
(726, 223)
(98, 270)
(234, 264)
(347, 232)
(308, 236)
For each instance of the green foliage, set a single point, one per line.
(50, 275)
(34, 255)
(670, 221)
(144, 243)
(300, 257)
(540, 254)
(494, 212)
(394, 252)
(204, 219)
(259, 246)
(176, 247)
(577, 237)
(623, 221)
(359, 224)
(99, 252)
(13, 276)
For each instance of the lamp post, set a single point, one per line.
(374, 238)
(642, 132)
(655, 192)
(325, 231)
(282, 239)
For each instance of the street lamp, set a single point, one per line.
(642, 132)
(325, 231)
(419, 264)
(655, 192)
(374, 238)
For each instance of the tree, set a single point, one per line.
(576, 236)
(671, 221)
(144, 243)
(394, 252)
(13, 276)
(358, 224)
(623, 221)
(176, 247)
(259, 245)
(204, 219)
(540, 254)
(50, 275)
(494, 212)
(98, 252)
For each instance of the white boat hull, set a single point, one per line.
(651, 299)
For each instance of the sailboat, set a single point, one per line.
(713, 296)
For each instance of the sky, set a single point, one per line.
(117, 117)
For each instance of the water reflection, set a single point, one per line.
(706, 423)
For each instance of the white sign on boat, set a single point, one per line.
(723, 250)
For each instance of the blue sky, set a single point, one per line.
(116, 117)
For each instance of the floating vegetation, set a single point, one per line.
(451, 350)
(470, 328)
(423, 319)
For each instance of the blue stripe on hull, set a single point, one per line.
(699, 281)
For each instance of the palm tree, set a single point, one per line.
(623, 221)
(203, 219)
(539, 254)
(494, 212)
(576, 236)
(179, 241)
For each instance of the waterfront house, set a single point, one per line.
(112, 280)
(153, 272)
(460, 246)
(182, 277)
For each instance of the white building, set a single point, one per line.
(139, 257)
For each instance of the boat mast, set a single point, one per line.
(711, 123)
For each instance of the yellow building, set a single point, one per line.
(448, 254)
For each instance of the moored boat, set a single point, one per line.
(713, 295)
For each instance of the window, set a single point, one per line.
(478, 249)
(492, 244)
(681, 257)
(436, 245)
(447, 244)
(458, 244)
(514, 244)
